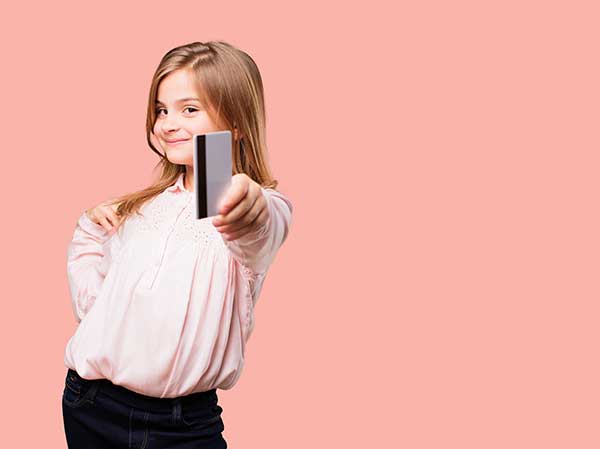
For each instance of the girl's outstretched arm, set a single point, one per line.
(257, 249)
(88, 257)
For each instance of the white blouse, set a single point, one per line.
(165, 304)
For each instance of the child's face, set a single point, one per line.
(177, 119)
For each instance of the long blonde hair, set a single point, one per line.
(228, 82)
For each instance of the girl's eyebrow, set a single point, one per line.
(181, 100)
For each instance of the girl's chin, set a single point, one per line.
(182, 159)
(180, 151)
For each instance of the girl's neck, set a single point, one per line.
(188, 180)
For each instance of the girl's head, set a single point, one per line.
(199, 88)
(178, 115)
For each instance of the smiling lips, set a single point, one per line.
(176, 142)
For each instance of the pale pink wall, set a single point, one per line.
(439, 288)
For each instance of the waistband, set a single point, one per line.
(135, 399)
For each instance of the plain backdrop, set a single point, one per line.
(439, 287)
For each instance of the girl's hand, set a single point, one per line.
(105, 215)
(243, 210)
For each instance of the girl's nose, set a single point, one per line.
(169, 124)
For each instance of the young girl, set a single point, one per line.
(165, 301)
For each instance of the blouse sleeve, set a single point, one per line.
(88, 258)
(256, 250)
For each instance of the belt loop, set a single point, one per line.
(176, 410)
(90, 395)
(95, 389)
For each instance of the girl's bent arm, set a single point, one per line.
(88, 257)
(256, 250)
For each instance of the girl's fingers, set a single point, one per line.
(110, 212)
(112, 221)
(107, 218)
(240, 211)
(114, 218)
(104, 222)
(246, 220)
(244, 205)
(250, 227)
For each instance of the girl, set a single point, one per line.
(165, 301)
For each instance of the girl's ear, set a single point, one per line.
(236, 134)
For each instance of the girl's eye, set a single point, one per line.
(162, 109)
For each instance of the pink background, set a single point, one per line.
(439, 288)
